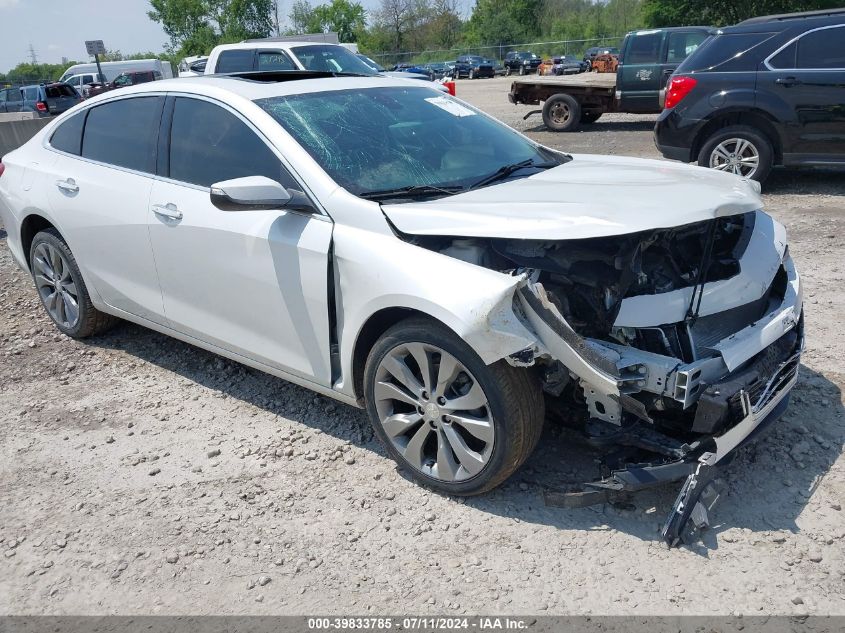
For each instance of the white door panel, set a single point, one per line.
(103, 212)
(252, 282)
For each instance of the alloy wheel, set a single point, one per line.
(55, 285)
(737, 156)
(434, 412)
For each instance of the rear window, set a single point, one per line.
(124, 133)
(726, 52)
(54, 92)
(235, 61)
(68, 136)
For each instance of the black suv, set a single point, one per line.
(522, 62)
(768, 91)
(472, 67)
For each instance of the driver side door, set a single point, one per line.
(251, 282)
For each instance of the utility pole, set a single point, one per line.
(32, 54)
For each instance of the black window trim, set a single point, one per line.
(164, 148)
(87, 110)
(793, 41)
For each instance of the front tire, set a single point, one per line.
(61, 289)
(458, 426)
(740, 150)
(472, 74)
(507, 71)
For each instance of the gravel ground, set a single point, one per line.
(141, 475)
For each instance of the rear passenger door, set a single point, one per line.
(99, 192)
(808, 76)
(254, 283)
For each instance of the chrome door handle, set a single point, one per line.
(68, 186)
(788, 81)
(169, 211)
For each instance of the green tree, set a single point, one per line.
(722, 12)
(196, 26)
(343, 17)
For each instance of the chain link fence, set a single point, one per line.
(496, 52)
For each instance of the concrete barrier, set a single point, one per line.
(16, 132)
(17, 116)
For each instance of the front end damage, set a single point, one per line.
(668, 348)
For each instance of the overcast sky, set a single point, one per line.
(59, 28)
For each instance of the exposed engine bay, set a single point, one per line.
(666, 348)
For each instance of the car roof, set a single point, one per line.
(785, 22)
(793, 16)
(270, 45)
(262, 86)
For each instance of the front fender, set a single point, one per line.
(374, 272)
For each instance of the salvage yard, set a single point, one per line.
(141, 475)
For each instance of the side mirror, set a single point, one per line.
(256, 193)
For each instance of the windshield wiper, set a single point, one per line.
(507, 170)
(413, 191)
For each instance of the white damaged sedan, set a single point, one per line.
(399, 250)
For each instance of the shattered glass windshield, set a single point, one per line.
(377, 139)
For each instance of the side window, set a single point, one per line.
(822, 49)
(644, 49)
(68, 136)
(14, 95)
(31, 93)
(209, 144)
(274, 60)
(786, 58)
(87, 79)
(235, 61)
(124, 133)
(682, 44)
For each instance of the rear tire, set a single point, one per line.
(562, 113)
(462, 435)
(61, 288)
(738, 149)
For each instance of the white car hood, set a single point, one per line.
(590, 196)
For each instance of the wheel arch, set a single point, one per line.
(377, 324)
(757, 119)
(33, 224)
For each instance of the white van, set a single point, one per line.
(113, 69)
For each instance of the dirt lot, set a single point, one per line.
(141, 475)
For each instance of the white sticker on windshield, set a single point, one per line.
(452, 107)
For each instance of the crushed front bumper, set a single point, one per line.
(737, 394)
